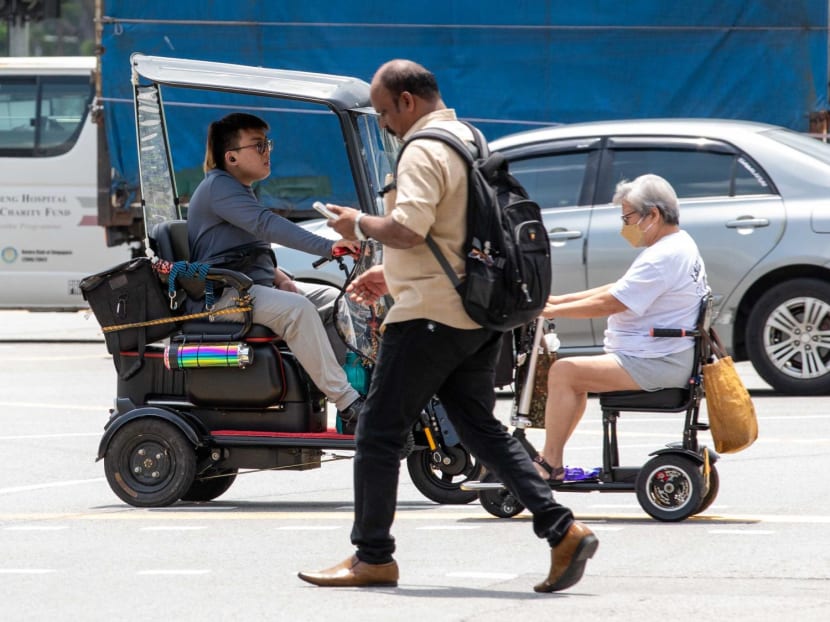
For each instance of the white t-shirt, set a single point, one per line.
(663, 288)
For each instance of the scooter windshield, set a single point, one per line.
(158, 185)
(359, 324)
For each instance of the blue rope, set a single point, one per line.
(183, 269)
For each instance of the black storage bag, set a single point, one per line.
(128, 293)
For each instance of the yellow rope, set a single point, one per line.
(179, 318)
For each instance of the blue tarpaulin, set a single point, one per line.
(539, 62)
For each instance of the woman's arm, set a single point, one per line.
(598, 304)
(574, 296)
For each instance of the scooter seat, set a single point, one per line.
(664, 399)
(204, 330)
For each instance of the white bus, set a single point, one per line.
(49, 233)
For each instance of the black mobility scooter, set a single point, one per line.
(200, 398)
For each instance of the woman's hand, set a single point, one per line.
(549, 312)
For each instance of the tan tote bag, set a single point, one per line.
(732, 419)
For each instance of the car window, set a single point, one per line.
(552, 180)
(802, 142)
(693, 174)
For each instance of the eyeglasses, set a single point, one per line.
(262, 147)
(625, 217)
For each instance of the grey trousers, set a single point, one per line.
(295, 318)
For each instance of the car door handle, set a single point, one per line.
(743, 223)
(563, 234)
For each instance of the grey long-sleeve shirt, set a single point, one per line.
(224, 213)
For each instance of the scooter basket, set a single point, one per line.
(128, 293)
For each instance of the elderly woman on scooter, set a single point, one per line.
(662, 287)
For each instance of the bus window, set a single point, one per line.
(42, 116)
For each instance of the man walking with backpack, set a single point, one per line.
(430, 345)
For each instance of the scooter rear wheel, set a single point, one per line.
(210, 484)
(150, 463)
(441, 481)
(712, 491)
(670, 487)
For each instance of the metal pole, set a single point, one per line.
(18, 37)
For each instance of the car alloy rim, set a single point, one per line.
(797, 337)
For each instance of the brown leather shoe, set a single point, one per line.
(354, 573)
(568, 558)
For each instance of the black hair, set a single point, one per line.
(400, 76)
(223, 135)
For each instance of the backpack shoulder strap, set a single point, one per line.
(467, 152)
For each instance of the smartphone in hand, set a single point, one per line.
(320, 207)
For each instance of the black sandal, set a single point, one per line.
(556, 475)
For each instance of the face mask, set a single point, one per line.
(634, 235)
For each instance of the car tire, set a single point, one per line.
(784, 337)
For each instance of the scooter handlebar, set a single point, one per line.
(674, 332)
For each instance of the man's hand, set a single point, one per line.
(344, 223)
(384, 229)
(283, 282)
(368, 287)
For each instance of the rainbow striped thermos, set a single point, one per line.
(197, 355)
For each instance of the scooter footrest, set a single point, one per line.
(475, 486)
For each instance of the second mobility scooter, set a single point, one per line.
(678, 481)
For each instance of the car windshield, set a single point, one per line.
(801, 142)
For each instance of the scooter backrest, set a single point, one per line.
(170, 239)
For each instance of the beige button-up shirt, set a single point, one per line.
(431, 197)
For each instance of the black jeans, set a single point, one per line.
(419, 359)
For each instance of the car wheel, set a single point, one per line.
(788, 337)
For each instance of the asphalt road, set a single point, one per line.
(71, 550)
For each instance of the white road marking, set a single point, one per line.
(40, 405)
(35, 527)
(162, 572)
(448, 527)
(26, 570)
(71, 482)
(742, 532)
(310, 528)
(174, 528)
(38, 436)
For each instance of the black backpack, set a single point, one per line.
(508, 269)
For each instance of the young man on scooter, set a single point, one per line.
(229, 228)
(430, 345)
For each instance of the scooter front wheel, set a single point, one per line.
(499, 502)
(670, 487)
(150, 463)
(439, 477)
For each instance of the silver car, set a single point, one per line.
(755, 197)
